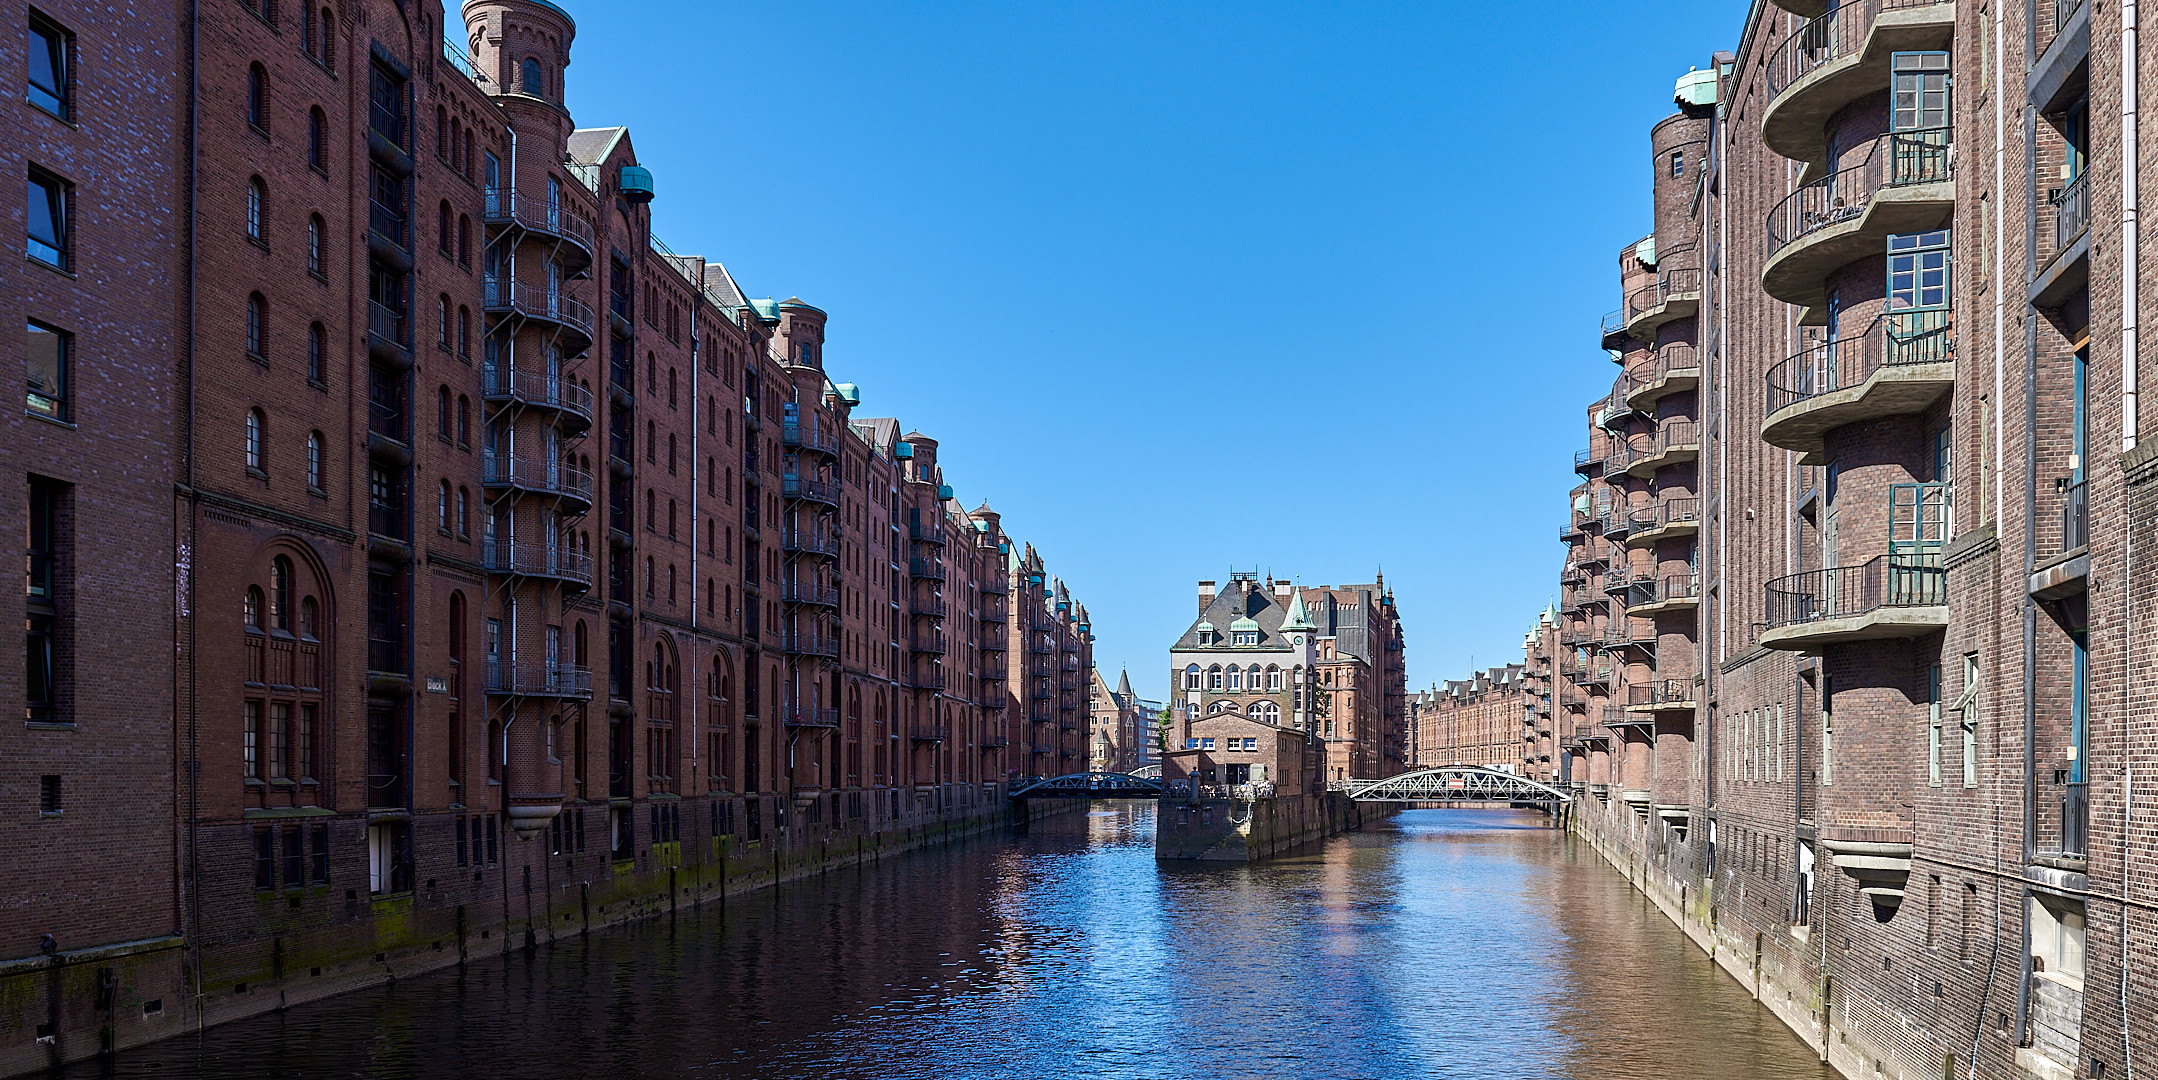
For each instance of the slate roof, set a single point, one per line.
(1235, 603)
(587, 146)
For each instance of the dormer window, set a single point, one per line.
(1244, 637)
(1206, 637)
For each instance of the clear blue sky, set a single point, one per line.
(1179, 286)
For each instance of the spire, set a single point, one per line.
(1298, 618)
(1123, 685)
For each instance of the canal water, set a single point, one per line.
(1440, 943)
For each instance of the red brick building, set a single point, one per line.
(1854, 601)
(423, 558)
(1481, 720)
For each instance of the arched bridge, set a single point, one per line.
(1453, 783)
(1147, 772)
(1090, 785)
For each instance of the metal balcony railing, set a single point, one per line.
(1895, 159)
(929, 733)
(551, 391)
(388, 222)
(925, 532)
(506, 296)
(1678, 281)
(806, 644)
(2071, 210)
(2075, 516)
(1614, 322)
(537, 558)
(386, 323)
(799, 592)
(1893, 339)
(807, 435)
(816, 491)
(537, 679)
(1660, 692)
(926, 680)
(539, 215)
(1840, 33)
(1845, 591)
(926, 569)
(807, 543)
(1675, 357)
(812, 718)
(533, 474)
(927, 643)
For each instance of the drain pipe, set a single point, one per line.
(2129, 253)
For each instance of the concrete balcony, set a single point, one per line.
(1904, 184)
(532, 558)
(1900, 364)
(1677, 369)
(1837, 58)
(1648, 599)
(1674, 442)
(1668, 519)
(1891, 596)
(1675, 295)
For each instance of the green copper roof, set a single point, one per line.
(1244, 623)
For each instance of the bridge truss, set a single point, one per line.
(1453, 783)
(1091, 785)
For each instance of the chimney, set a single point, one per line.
(1206, 594)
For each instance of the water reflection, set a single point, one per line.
(1442, 943)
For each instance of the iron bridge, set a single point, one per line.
(1453, 783)
(1090, 785)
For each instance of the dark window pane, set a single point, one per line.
(48, 221)
(48, 68)
(47, 366)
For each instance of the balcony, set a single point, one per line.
(1891, 596)
(560, 393)
(540, 477)
(925, 569)
(1588, 463)
(1651, 598)
(570, 317)
(1677, 369)
(2068, 572)
(811, 718)
(808, 435)
(1618, 718)
(928, 606)
(929, 644)
(2064, 825)
(574, 247)
(511, 678)
(1620, 579)
(798, 489)
(932, 679)
(929, 733)
(1614, 327)
(994, 742)
(808, 644)
(1625, 635)
(1662, 695)
(1674, 442)
(386, 337)
(1900, 364)
(996, 586)
(1668, 519)
(1674, 295)
(808, 594)
(925, 533)
(1902, 185)
(1837, 59)
(992, 699)
(809, 543)
(2067, 269)
(531, 558)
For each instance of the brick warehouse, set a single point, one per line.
(1854, 647)
(521, 575)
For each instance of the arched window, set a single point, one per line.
(670, 583)
(1270, 712)
(445, 216)
(442, 507)
(317, 362)
(256, 192)
(318, 139)
(1213, 677)
(308, 625)
(258, 98)
(464, 512)
(314, 460)
(315, 263)
(534, 84)
(1191, 677)
(1236, 677)
(329, 37)
(256, 316)
(254, 440)
(1217, 707)
(442, 411)
(1273, 677)
(251, 608)
(1255, 709)
(464, 240)
(464, 331)
(464, 420)
(281, 594)
(442, 320)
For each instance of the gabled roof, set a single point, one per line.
(590, 146)
(1240, 609)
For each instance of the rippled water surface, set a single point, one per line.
(1442, 943)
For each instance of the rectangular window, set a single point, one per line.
(1206, 744)
(1828, 732)
(303, 745)
(265, 859)
(1919, 91)
(1918, 271)
(463, 851)
(295, 857)
(321, 854)
(1933, 725)
(48, 794)
(50, 351)
(1967, 719)
(250, 724)
(49, 221)
(52, 53)
(280, 719)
